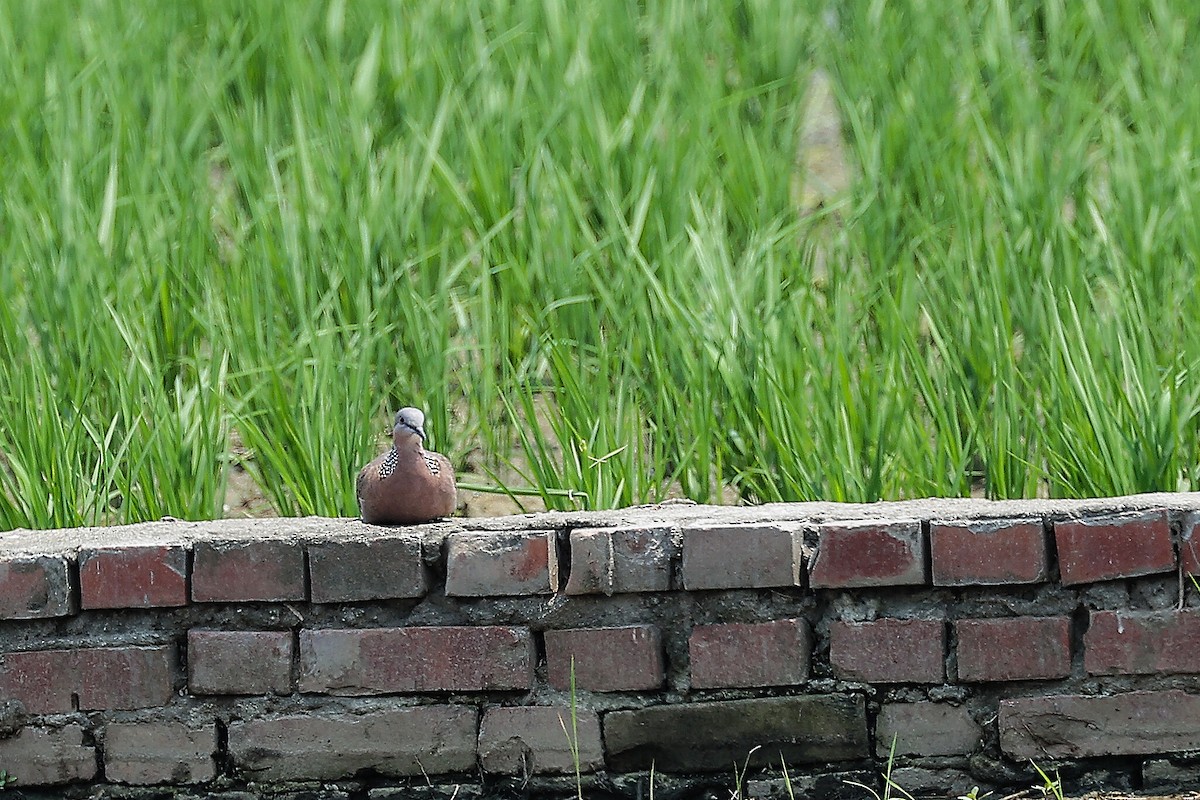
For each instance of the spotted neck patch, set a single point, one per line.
(388, 467)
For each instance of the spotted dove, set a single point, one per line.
(407, 484)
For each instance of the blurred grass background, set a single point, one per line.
(735, 250)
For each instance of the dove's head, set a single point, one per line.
(409, 421)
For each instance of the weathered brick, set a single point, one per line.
(1114, 546)
(988, 552)
(742, 556)
(926, 729)
(37, 757)
(144, 753)
(98, 677)
(239, 662)
(42, 680)
(437, 659)
(708, 737)
(750, 654)
(621, 560)
(1189, 546)
(124, 677)
(495, 564)
(34, 587)
(1075, 726)
(851, 554)
(889, 650)
(133, 577)
(530, 740)
(625, 659)
(1013, 648)
(1141, 643)
(233, 572)
(424, 740)
(1160, 775)
(375, 569)
(933, 781)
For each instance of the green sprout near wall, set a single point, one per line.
(891, 789)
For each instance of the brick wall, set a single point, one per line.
(354, 661)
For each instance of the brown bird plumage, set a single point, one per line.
(407, 484)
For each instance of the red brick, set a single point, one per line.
(1189, 547)
(125, 677)
(1013, 648)
(1142, 643)
(531, 740)
(98, 677)
(1074, 726)
(494, 564)
(618, 561)
(133, 577)
(742, 556)
(627, 659)
(375, 569)
(1114, 546)
(926, 729)
(420, 741)
(42, 680)
(438, 659)
(750, 654)
(38, 757)
(143, 753)
(988, 552)
(851, 554)
(34, 587)
(239, 662)
(233, 572)
(889, 650)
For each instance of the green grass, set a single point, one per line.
(579, 236)
(1051, 787)
(891, 789)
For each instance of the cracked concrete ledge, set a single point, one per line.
(307, 529)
